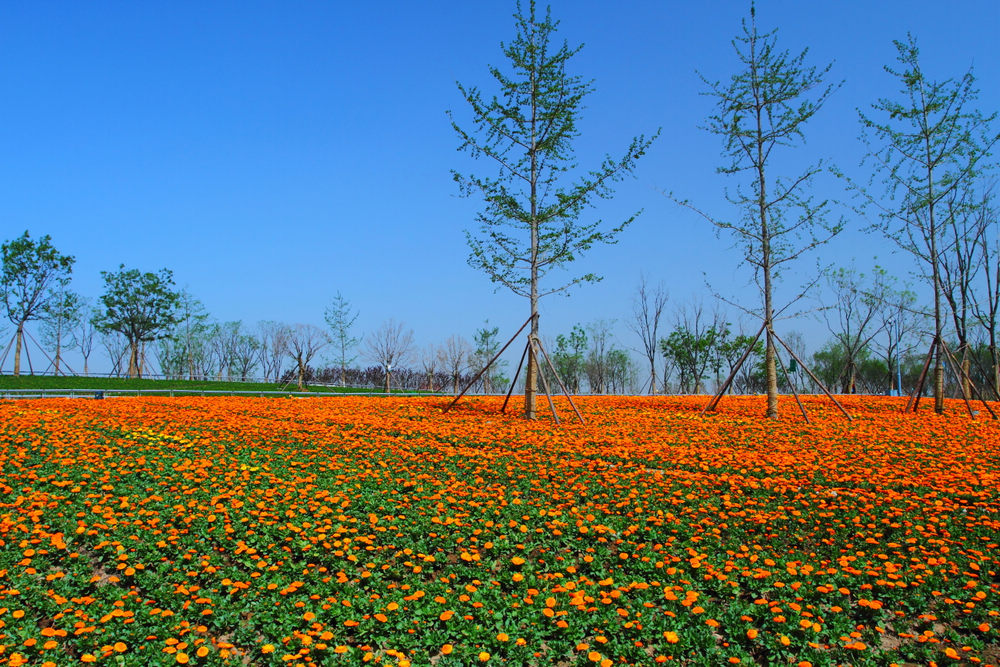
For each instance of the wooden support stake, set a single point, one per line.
(513, 382)
(545, 382)
(559, 380)
(794, 393)
(714, 403)
(914, 399)
(490, 363)
(811, 375)
(972, 385)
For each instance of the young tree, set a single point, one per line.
(927, 145)
(456, 355)
(854, 317)
(390, 347)
(62, 314)
(340, 317)
(273, 337)
(140, 306)
(986, 301)
(762, 109)
(430, 357)
(597, 367)
(304, 342)
(85, 332)
(531, 220)
(569, 357)
(647, 308)
(30, 273)
(190, 336)
(487, 344)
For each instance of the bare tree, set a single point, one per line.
(986, 304)
(647, 308)
(855, 316)
(597, 366)
(455, 357)
(430, 357)
(390, 346)
(85, 333)
(273, 337)
(117, 346)
(304, 342)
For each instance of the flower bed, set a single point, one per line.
(345, 530)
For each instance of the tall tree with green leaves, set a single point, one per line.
(926, 144)
(531, 222)
(30, 274)
(340, 317)
(760, 111)
(140, 306)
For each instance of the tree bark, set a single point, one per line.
(17, 349)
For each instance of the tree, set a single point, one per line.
(390, 346)
(962, 260)
(430, 357)
(455, 355)
(487, 344)
(85, 331)
(62, 314)
(531, 220)
(761, 109)
(928, 145)
(30, 273)
(621, 371)
(569, 357)
(140, 306)
(693, 346)
(190, 336)
(597, 366)
(986, 303)
(273, 337)
(855, 317)
(304, 342)
(647, 308)
(340, 317)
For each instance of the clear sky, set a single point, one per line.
(272, 153)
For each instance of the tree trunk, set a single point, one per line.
(133, 359)
(388, 381)
(17, 349)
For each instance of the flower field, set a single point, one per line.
(212, 531)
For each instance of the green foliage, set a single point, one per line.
(487, 343)
(29, 274)
(340, 317)
(531, 219)
(143, 307)
(569, 358)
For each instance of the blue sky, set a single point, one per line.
(271, 154)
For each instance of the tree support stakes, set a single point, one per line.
(811, 375)
(972, 385)
(914, 399)
(517, 374)
(6, 351)
(545, 381)
(51, 360)
(714, 403)
(791, 384)
(562, 386)
(490, 363)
